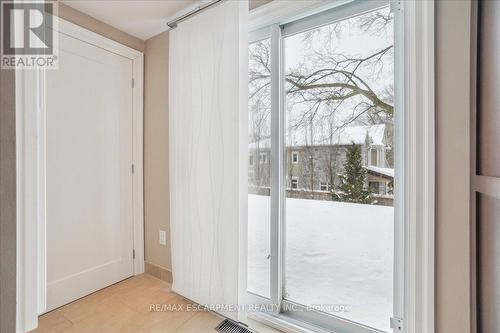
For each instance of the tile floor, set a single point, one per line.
(125, 307)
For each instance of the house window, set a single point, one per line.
(263, 158)
(294, 184)
(295, 157)
(374, 156)
(324, 186)
(250, 160)
(374, 187)
(383, 188)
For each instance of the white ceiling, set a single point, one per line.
(142, 19)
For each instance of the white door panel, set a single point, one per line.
(89, 180)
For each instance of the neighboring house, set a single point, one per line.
(313, 171)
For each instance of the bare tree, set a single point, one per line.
(329, 86)
(260, 108)
(259, 137)
(329, 81)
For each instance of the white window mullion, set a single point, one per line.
(399, 162)
(277, 185)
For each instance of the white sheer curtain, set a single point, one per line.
(207, 90)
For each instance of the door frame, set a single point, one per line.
(31, 284)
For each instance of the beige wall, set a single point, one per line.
(156, 187)
(452, 166)
(7, 202)
(92, 24)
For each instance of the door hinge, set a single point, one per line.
(133, 168)
(133, 254)
(397, 324)
(133, 83)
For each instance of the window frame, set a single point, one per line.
(295, 161)
(377, 186)
(414, 26)
(325, 184)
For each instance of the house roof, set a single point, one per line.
(389, 172)
(344, 136)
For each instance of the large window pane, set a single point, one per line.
(259, 168)
(339, 168)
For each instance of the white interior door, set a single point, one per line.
(88, 169)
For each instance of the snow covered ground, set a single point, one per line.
(336, 253)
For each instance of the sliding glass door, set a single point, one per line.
(324, 169)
